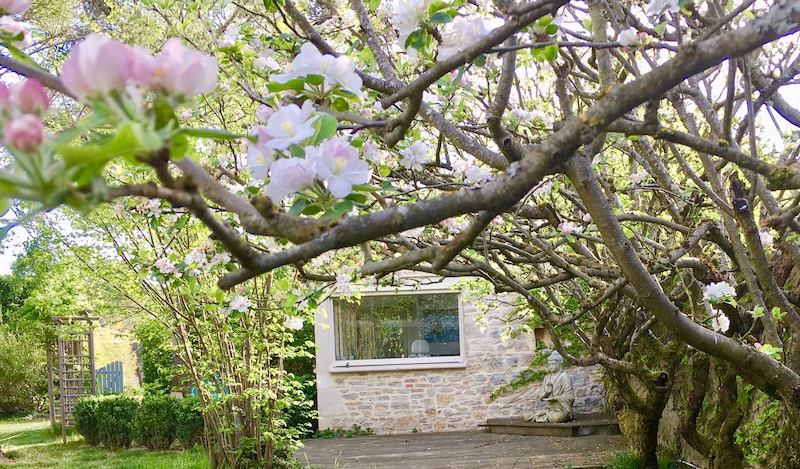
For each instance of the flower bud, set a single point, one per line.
(183, 72)
(25, 133)
(97, 66)
(12, 7)
(14, 29)
(30, 97)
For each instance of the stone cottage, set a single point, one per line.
(416, 359)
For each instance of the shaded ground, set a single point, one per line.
(473, 449)
(30, 444)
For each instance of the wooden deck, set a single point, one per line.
(473, 450)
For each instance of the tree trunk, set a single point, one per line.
(641, 433)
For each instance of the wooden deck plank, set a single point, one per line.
(457, 450)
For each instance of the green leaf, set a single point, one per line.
(165, 114)
(357, 198)
(435, 6)
(481, 60)
(312, 209)
(417, 39)
(587, 24)
(296, 84)
(298, 206)
(315, 80)
(216, 134)
(297, 151)
(326, 127)
(339, 209)
(340, 104)
(4, 206)
(126, 141)
(384, 171)
(179, 146)
(550, 52)
(441, 17)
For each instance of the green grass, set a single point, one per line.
(31, 445)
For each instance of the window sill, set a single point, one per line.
(398, 367)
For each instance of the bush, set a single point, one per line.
(23, 374)
(85, 415)
(157, 422)
(116, 416)
(190, 422)
(156, 352)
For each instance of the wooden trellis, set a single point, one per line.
(76, 374)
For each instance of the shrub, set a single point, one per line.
(190, 422)
(116, 416)
(23, 377)
(85, 415)
(157, 422)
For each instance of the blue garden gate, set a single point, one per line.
(109, 378)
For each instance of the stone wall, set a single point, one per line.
(400, 401)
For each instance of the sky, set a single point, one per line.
(12, 247)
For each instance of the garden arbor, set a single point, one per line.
(74, 365)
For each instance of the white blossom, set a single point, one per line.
(239, 303)
(415, 156)
(717, 291)
(628, 37)
(720, 322)
(220, 258)
(460, 34)
(343, 284)
(406, 16)
(639, 176)
(659, 7)
(292, 322)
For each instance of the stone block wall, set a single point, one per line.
(400, 401)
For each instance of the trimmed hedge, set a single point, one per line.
(85, 415)
(116, 417)
(157, 422)
(117, 420)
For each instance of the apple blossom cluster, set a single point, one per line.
(566, 228)
(335, 71)
(415, 155)
(13, 32)
(100, 67)
(21, 109)
(333, 162)
(717, 292)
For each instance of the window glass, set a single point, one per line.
(397, 326)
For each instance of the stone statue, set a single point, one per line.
(557, 392)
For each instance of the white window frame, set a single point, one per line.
(389, 364)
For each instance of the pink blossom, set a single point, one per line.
(30, 97)
(142, 66)
(337, 163)
(12, 7)
(5, 99)
(264, 112)
(96, 67)
(166, 267)
(10, 28)
(185, 114)
(566, 228)
(25, 133)
(182, 71)
(289, 175)
(766, 238)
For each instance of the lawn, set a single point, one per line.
(30, 444)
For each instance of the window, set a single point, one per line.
(397, 328)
